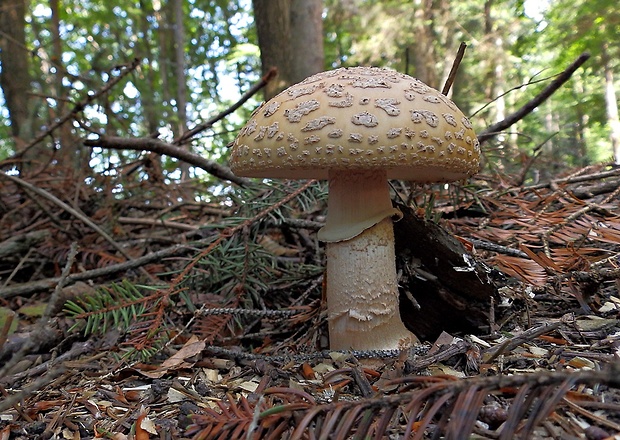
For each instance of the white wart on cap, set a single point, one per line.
(358, 118)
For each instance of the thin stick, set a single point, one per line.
(79, 215)
(454, 69)
(162, 147)
(56, 297)
(33, 387)
(529, 107)
(77, 108)
(45, 284)
(271, 74)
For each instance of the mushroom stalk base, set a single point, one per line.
(361, 284)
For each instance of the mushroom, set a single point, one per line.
(359, 127)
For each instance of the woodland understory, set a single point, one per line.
(146, 313)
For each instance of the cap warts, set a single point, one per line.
(328, 122)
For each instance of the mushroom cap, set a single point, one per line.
(358, 118)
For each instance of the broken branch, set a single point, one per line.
(515, 117)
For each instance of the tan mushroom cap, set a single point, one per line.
(358, 118)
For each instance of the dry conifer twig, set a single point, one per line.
(271, 74)
(515, 117)
(77, 108)
(455, 67)
(38, 384)
(39, 330)
(161, 147)
(77, 214)
(589, 207)
(511, 343)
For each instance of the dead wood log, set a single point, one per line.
(443, 288)
(19, 244)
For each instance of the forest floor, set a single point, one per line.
(129, 313)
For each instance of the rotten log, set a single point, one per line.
(443, 287)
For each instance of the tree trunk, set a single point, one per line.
(306, 38)
(424, 57)
(151, 114)
(14, 77)
(164, 38)
(290, 36)
(611, 105)
(68, 155)
(273, 24)
(181, 89)
(581, 130)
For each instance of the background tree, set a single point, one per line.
(567, 29)
(290, 35)
(15, 74)
(55, 54)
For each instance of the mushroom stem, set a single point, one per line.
(362, 291)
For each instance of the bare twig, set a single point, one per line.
(77, 108)
(77, 349)
(425, 361)
(587, 208)
(74, 212)
(19, 266)
(162, 147)
(454, 69)
(514, 342)
(157, 222)
(36, 385)
(57, 295)
(494, 247)
(173, 150)
(44, 321)
(576, 179)
(513, 118)
(247, 95)
(48, 283)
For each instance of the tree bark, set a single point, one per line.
(306, 38)
(290, 36)
(611, 105)
(181, 89)
(69, 155)
(151, 114)
(14, 77)
(424, 56)
(443, 288)
(272, 19)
